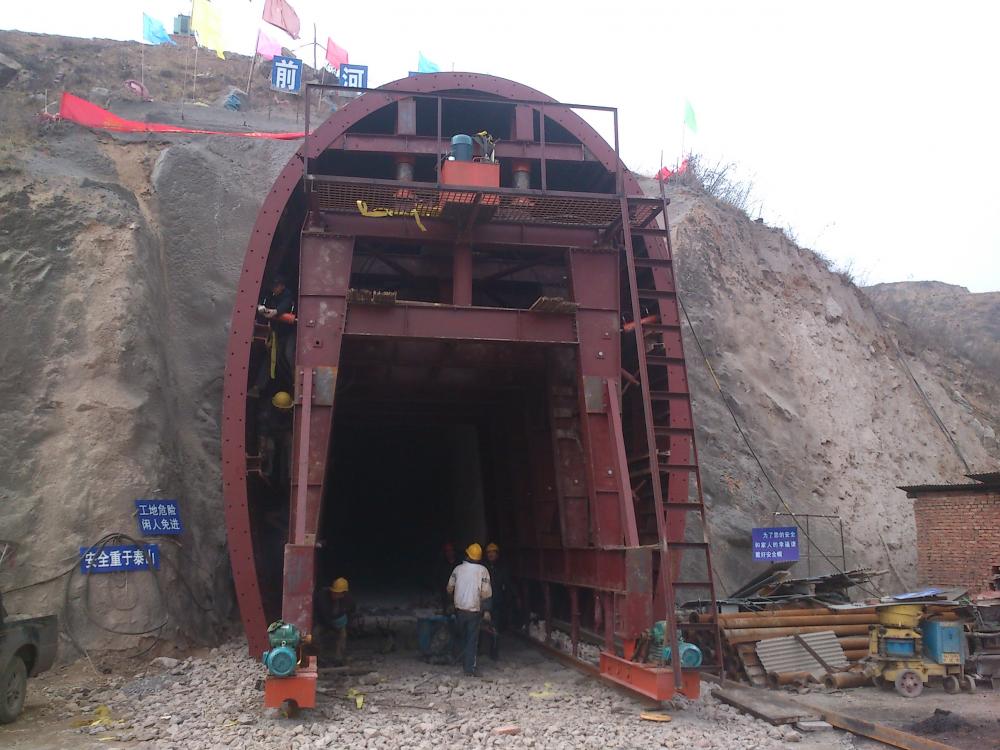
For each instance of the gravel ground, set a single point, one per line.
(526, 700)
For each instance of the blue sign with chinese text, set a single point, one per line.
(119, 558)
(354, 75)
(158, 517)
(286, 75)
(780, 544)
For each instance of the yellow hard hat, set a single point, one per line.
(474, 551)
(492, 547)
(339, 586)
(282, 400)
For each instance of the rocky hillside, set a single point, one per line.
(819, 385)
(118, 261)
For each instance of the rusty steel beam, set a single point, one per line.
(418, 145)
(526, 236)
(657, 683)
(462, 324)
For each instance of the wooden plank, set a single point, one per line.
(766, 705)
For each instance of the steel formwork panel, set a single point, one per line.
(603, 554)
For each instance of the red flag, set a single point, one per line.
(335, 55)
(663, 175)
(279, 13)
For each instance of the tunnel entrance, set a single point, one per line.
(400, 488)
(426, 449)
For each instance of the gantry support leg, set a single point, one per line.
(324, 278)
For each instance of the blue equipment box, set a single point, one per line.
(900, 648)
(944, 641)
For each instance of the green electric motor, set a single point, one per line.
(690, 655)
(282, 657)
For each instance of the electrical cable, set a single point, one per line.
(756, 458)
(56, 577)
(923, 394)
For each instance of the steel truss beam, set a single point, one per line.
(419, 321)
(420, 145)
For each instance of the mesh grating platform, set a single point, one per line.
(577, 210)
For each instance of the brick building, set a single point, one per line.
(958, 531)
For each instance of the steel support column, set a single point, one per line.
(324, 277)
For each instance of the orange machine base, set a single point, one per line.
(471, 173)
(653, 682)
(300, 689)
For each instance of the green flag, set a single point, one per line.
(689, 118)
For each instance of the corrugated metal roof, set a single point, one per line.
(990, 477)
(787, 654)
(971, 489)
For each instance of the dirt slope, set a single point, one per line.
(117, 266)
(817, 384)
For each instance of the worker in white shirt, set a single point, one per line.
(469, 585)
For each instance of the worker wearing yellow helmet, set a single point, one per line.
(469, 586)
(282, 400)
(334, 609)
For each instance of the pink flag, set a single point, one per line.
(267, 48)
(281, 14)
(335, 55)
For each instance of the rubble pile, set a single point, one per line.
(522, 701)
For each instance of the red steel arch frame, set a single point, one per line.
(234, 447)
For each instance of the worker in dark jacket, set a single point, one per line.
(500, 604)
(277, 309)
(334, 609)
(442, 573)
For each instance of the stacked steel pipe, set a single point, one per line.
(741, 631)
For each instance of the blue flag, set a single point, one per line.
(426, 66)
(153, 31)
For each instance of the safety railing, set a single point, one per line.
(442, 148)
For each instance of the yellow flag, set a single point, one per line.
(207, 24)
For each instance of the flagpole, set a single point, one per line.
(142, 65)
(194, 74)
(253, 64)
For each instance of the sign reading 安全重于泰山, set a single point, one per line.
(286, 74)
(119, 558)
(779, 544)
(157, 517)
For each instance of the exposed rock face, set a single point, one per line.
(817, 384)
(117, 268)
(956, 333)
(9, 68)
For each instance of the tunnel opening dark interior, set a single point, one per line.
(399, 488)
(425, 450)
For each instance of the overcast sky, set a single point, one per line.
(871, 129)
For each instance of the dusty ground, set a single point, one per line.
(211, 699)
(973, 721)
